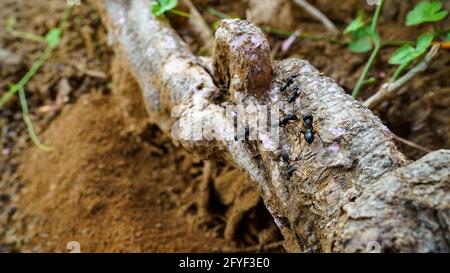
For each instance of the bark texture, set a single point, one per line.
(351, 192)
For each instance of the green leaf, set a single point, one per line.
(356, 24)
(53, 37)
(408, 53)
(160, 7)
(423, 42)
(426, 12)
(361, 45)
(402, 55)
(361, 40)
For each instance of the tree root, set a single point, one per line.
(347, 192)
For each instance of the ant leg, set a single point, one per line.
(319, 137)
(301, 131)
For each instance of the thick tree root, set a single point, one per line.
(351, 190)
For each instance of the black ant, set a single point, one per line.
(290, 169)
(289, 82)
(309, 132)
(294, 96)
(308, 123)
(286, 119)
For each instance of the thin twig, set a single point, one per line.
(412, 144)
(389, 90)
(201, 28)
(317, 14)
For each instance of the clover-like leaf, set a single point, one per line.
(53, 37)
(356, 24)
(160, 7)
(426, 12)
(408, 53)
(402, 54)
(361, 40)
(423, 42)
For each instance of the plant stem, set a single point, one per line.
(28, 122)
(181, 13)
(370, 81)
(377, 42)
(396, 42)
(34, 68)
(218, 13)
(378, 10)
(24, 35)
(64, 18)
(36, 65)
(399, 71)
(435, 28)
(363, 76)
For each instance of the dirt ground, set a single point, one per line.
(115, 183)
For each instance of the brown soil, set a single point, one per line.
(107, 188)
(115, 182)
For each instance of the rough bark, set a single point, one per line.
(349, 191)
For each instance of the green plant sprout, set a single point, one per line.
(24, 35)
(364, 38)
(375, 37)
(360, 34)
(29, 124)
(406, 54)
(160, 7)
(52, 39)
(426, 12)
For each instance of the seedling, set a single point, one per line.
(366, 32)
(365, 38)
(52, 39)
(29, 123)
(406, 54)
(360, 34)
(424, 12)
